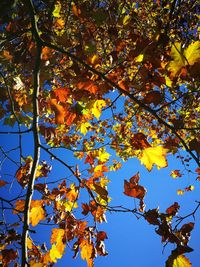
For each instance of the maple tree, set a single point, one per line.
(106, 81)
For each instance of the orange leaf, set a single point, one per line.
(8, 255)
(154, 97)
(132, 189)
(2, 183)
(61, 94)
(87, 252)
(58, 110)
(37, 212)
(179, 261)
(88, 85)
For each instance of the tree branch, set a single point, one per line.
(35, 129)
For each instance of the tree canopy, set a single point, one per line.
(89, 85)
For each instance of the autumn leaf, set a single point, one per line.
(55, 254)
(97, 107)
(36, 264)
(154, 97)
(88, 85)
(179, 261)
(133, 189)
(173, 209)
(183, 57)
(3, 183)
(19, 206)
(58, 246)
(102, 192)
(84, 127)
(37, 212)
(58, 110)
(8, 255)
(153, 155)
(62, 94)
(87, 252)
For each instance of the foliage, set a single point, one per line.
(106, 81)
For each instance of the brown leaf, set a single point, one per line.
(173, 209)
(88, 85)
(152, 216)
(8, 255)
(61, 94)
(3, 183)
(132, 189)
(154, 97)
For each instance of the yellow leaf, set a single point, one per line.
(179, 261)
(97, 107)
(55, 253)
(103, 156)
(87, 252)
(37, 212)
(69, 205)
(72, 193)
(29, 243)
(139, 58)
(35, 264)
(57, 235)
(180, 192)
(181, 58)
(84, 127)
(153, 155)
(192, 53)
(126, 20)
(56, 11)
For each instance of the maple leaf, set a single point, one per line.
(97, 107)
(37, 212)
(154, 97)
(62, 94)
(58, 247)
(8, 255)
(58, 110)
(84, 127)
(132, 189)
(3, 183)
(179, 261)
(88, 85)
(181, 58)
(87, 252)
(153, 155)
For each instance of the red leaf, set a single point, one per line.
(173, 209)
(88, 85)
(132, 189)
(61, 94)
(154, 97)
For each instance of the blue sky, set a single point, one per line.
(131, 241)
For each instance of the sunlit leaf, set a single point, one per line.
(87, 252)
(179, 261)
(3, 183)
(57, 9)
(85, 127)
(37, 212)
(97, 107)
(183, 57)
(154, 155)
